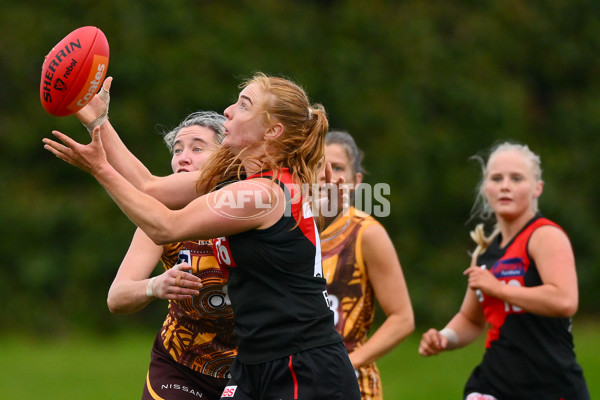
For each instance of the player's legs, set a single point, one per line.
(326, 373)
(314, 374)
(477, 387)
(167, 379)
(369, 381)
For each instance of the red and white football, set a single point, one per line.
(73, 71)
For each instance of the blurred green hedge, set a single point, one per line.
(422, 85)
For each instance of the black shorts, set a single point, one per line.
(319, 373)
(167, 379)
(478, 386)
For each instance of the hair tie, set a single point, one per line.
(310, 113)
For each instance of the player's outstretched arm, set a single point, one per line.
(175, 192)
(197, 220)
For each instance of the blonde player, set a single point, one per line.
(522, 283)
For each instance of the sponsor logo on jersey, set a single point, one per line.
(223, 252)
(509, 268)
(229, 391)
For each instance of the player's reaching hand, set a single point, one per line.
(89, 158)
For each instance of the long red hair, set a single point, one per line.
(300, 147)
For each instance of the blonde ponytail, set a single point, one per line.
(481, 240)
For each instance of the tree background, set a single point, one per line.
(422, 85)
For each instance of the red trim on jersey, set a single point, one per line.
(291, 367)
(515, 258)
(305, 223)
(222, 253)
(304, 219)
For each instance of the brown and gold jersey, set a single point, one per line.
(350, 293)
(198, 333)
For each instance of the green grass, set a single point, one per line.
(82, 367)
(407, 375)
(90, 368)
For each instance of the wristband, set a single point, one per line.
(105, 96)
(150, 287)
(97, 122)
(451, 335)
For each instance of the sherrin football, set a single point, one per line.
(73, 71)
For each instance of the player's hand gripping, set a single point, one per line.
(95, 112)
(481, 279)
(432, 343)
(176, 283)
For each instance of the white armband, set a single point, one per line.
(451, 335)
(150, 287)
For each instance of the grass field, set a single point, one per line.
(406, 375)
(90, 368)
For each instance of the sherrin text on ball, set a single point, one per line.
(73, 71)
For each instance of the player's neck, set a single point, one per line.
(509, 228)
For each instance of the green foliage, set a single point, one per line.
(422, 86)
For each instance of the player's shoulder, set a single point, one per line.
(549, 237)
(363, 218)
(544, 227)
